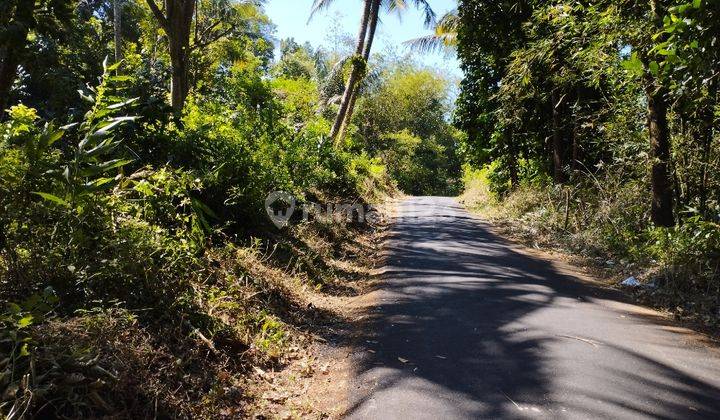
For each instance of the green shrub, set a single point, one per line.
(690, 253)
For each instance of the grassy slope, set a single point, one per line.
(266, 307)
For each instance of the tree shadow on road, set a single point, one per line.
(467, 327)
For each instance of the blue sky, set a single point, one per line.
(291, 16)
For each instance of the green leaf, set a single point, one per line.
(654, 68)
(682, 8)
(121, 78)
(99, 182)
(199, 205)
(697, 3)
(106, 128)
(105, 147)
(52, 198)
(144, 188)
(104, 167)
(25, 321)
(49, 138)
(24, 350)
(122, 104)
(111, 68)
(634, 65)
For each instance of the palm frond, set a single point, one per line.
(449, 22)
(398, 6)
(428, 12)
(444, 36)
(429, 43)
(317, 6)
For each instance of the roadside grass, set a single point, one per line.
(247, 312)
(605, 229)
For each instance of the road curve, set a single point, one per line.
(468, 327)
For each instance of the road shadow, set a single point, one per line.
(466, 327)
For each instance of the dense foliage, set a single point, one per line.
(599, 121)
(402, 118)
(136, 155)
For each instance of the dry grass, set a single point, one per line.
(607, 234)
(249, 346)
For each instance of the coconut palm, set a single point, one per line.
(444, 35)
(366, 34)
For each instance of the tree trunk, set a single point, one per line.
(180, 83)
(662, 191)
(354, 73)
(708, 120)
(9, 61)
(558, 141)
(180, 17)
(575, 134)
(512, 159)
(11, 50)
(177, 22)
(117, 29)
(372, 27)
(661, 211)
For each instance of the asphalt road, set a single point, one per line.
(468, 327)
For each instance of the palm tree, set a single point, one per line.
(444, 35)
(366, 35)
(357, 64)
(372, 27)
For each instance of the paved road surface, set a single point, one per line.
(467, 327)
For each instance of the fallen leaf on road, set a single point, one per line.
(441, 357)
(402, 360)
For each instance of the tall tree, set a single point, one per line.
(358, 67)
(372, 27)
(117, 29)
(487, 35)
(657, 94)
(693, 59)
(188, 29)
(176, 21)
(363, 46)
(17, 19)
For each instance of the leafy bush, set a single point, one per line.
(691, 255)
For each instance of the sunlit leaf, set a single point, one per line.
(52, 198)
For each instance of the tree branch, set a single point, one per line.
(207, 30)
(159, 15)
(204, 43)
